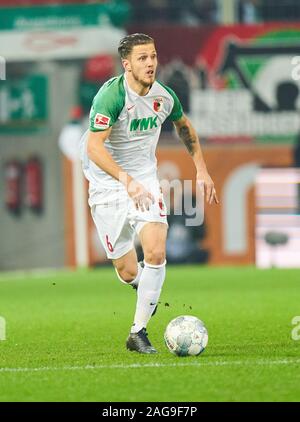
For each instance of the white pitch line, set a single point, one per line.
(156, 365)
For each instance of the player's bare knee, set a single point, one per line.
(155, 256)
(127, 273)
(128, 276)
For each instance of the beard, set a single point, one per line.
(144, 83)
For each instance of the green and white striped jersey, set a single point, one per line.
(136, 124)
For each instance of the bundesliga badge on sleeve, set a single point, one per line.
(101, 121)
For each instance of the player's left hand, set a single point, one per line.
(205, 182)
(141, 197)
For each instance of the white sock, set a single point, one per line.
(151, 282)
(134, 282)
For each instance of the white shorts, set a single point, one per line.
(117, 220)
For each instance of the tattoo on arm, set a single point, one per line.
(189, 139)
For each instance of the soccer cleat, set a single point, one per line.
(139, 342)
(136, 287)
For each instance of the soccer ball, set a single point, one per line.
(186, 336)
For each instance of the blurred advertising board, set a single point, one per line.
(59, 16)
(277, 233)
(24, 104)
(229, 234)
(60, 31)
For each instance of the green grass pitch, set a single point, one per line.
(66, 332)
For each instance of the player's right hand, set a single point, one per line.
(141, 197)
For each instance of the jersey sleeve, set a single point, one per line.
(177, 111)
(107, 105)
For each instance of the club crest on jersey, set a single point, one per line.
(101, 121)
(157, 104)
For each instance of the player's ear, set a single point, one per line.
(126, 65)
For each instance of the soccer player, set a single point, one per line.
(118, 154)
